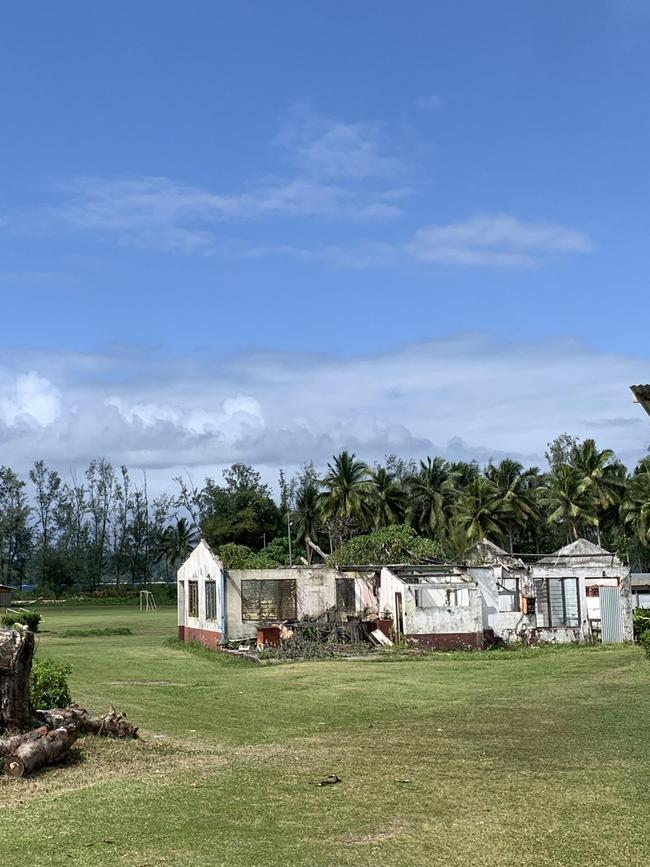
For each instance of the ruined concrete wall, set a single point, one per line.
(438, 626)
(315, 594)
(588, 574)
(202, 565)
(507, 625)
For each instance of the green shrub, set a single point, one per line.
(640, 622)
(49, 683)
(31, 619)
(645, 642)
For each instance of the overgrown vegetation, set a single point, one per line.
(49, 683)
(640, 621)
(31, 619)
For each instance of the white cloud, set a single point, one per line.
(329, 148)
(485, 240)
(338, 171)
(470, 396)
(494, 239)
(28, 399)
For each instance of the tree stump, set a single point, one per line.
(16, 652)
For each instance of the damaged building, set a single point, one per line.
(217, 606)
(578, 594)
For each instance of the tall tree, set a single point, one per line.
(635, 509)
(387, 499)
(47, 484)
(431, 492)
(345, 499)
(600, 478)
(177, 542)
(15, 532)
(476, 511)
(567, 502)
(515, 502)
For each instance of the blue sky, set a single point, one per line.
(193, 190)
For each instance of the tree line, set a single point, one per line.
(103, 526)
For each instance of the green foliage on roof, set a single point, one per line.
(395, 544)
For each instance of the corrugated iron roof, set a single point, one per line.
(642, 395)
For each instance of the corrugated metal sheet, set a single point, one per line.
(611, 615)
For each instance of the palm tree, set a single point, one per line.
(476, 511)
(635, 509)
(431, 492)
(600, 477)
(515, 500)
(568, 501)
(307, 516)
(177, 542)
(345, 500)
(387, 499)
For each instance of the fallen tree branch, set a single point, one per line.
(8, 745)
(45, 749)
(113, 723)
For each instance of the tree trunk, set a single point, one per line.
(8, 745)
(113, 723)
(16, 652)
(49, 748)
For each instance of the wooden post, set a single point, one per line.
(16, 652)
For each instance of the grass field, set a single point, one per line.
(525, 758)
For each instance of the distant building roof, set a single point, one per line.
(580, 553)
(642, 395)
(640, 579)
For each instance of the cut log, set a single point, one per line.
(113, 723)
(16, 652)
(8, 745)
(49, 748)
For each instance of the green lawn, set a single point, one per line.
(531, 758)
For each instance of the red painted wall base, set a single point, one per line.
(207, 637)
(448, 640)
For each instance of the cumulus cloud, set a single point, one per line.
(467, 397)
(29, 399)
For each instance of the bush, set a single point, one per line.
(640, 622)
(645, 642)
(31, 619)
(49, 683)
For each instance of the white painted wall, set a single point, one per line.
(505, 624)
(200, 566)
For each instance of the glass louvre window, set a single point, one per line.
(193, 598)
(508, 594)
(211, 600)
(563, 602)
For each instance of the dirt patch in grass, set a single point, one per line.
(94, 633)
